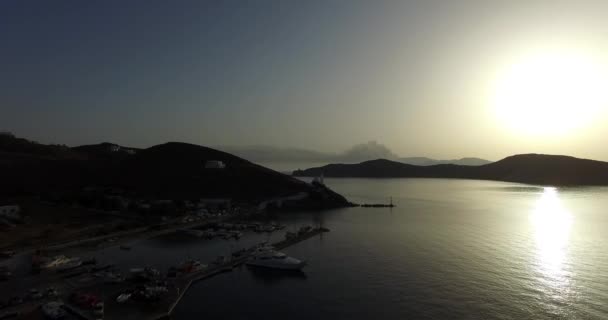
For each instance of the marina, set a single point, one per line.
(87, 290)
(178, 287)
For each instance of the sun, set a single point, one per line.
(550, 93)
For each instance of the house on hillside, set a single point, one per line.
(214, 164)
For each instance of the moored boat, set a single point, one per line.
(267, 257)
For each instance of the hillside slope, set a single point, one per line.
(169, 171)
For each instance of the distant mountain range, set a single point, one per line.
(167, 171)
(526, 168)
(358, 153)
(423, 161)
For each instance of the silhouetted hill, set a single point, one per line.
(105, 149)
(355, 154)
(23, 148)
(168, 171)
(179, 168)
(526, 168)
(424, 161)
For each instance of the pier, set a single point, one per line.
(179, 286)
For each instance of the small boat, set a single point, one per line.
(193, 232)
(144, 274)
(191, 266)
(5, 273)
(124, 247)
(54, 310)
(267, 257)
(208, 234)
(113, 278)
(62, 263)
(98, 309)
(221, 260)
(123, 297)
(51, 292)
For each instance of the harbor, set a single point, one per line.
(97, 291)
(178, 287)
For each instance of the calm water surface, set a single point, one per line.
(451, 249)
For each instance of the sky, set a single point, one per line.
(443, 79)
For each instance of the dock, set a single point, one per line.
(179, 286)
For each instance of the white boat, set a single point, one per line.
(268, 257)
(62, 263)
(123, 297)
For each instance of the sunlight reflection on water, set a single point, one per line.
(552, 223)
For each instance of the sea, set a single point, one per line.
(450, 249)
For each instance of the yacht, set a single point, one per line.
(268, 257)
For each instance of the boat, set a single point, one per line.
(191, 266)
(62, 263)
(112, 277)
(5, 273)
(35, 294)
(124, 247)
(194, 232)
(144, 274)
(123, 297)
(268, 257)
(51, 292)
(7, 254)
(54, 310)
(98, 309)
(72, 263)
(221, 260)
(208, 234)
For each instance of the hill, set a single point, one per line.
(167, 171)
(355, 154)
(424, 161)
(525, 168)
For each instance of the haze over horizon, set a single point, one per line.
(439, 79)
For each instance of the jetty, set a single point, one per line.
(177, 288)
(378, 205)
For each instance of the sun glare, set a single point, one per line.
(550, 93)
(551, 222)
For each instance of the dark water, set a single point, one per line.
(452, 249)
